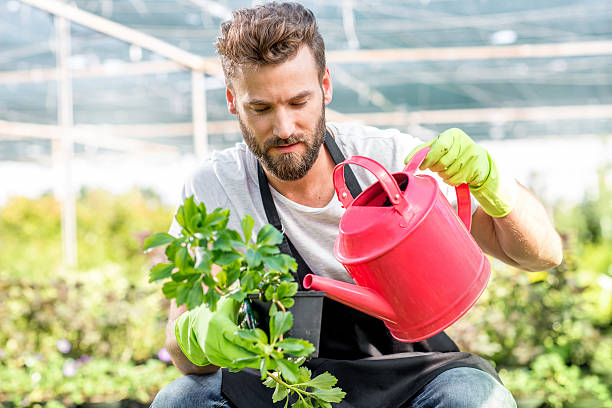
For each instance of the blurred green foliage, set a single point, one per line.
(111, 228)
(89, 334)
(548, 333)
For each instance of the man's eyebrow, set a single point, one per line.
(299, 96)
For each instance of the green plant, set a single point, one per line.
(247, 266)
(110, 229)
(56, 377)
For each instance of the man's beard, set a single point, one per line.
(287, 166)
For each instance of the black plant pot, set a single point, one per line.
(306, 316)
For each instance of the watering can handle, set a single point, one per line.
(464, 201)
(384, 177)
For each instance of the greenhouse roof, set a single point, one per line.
(499, 70)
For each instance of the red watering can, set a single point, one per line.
(414, 260)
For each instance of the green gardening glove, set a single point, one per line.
(458, 160)
(207, 337)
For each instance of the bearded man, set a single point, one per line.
(278, 85)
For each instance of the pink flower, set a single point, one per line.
(70, 368)
(163, 355)
(63, 346)
(84, 358)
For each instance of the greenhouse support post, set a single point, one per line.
(64, 147)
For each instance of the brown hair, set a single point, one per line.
(268, 34)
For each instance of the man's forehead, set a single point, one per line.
(299, 69)
(272, 88)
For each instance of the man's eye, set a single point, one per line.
(299, 103)
(259, 110)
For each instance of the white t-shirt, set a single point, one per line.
(229, 180)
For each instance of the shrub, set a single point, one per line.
(111, 228)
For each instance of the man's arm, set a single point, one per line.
(525, 238)
(179, 359)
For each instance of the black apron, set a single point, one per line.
(373, 368)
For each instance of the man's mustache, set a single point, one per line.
(278, 141)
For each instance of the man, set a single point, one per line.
(278, 86)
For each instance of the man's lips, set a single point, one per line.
(287, 148)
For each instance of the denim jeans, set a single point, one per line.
(461, 387)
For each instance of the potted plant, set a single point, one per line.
(252, 266)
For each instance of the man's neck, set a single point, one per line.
(315, 189)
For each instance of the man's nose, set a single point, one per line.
(284, 124)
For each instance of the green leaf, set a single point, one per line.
(157, 239)
(169, 289)
(235, 238)
(257, 335)
(233, 273)
(269, 382)
(296, 347)
(182, 294)
(211, 298)
(202, 209)
(221, 277)
(273, 309)
(280, 393)
(290, 263)
(181, 275)
(247, 227)
(268, 235)
(289, 370)
(301, 404)
(196, 223)
(305, 373)
(182, 258)
(160, 271)
(253, 258)
(173, 247)
(280, 262)
(209, 280)
(250, 280)
(323, 381)
(287, 302)
(189, 211)
(180, 216)
(333, 395)
(226, 258)
(196, 296)
(280, 322)
(245, 362)
(223, 243)
(217, 219)
(270, 293)
(263, 368)
(204, 261)
(286, 289)
(238, 296)
(290, 344)
(262, 336)
(269, 250)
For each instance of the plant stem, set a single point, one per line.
(292, 388)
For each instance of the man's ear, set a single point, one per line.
(327, 87)
(231, 102)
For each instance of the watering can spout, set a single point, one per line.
(363, 299)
